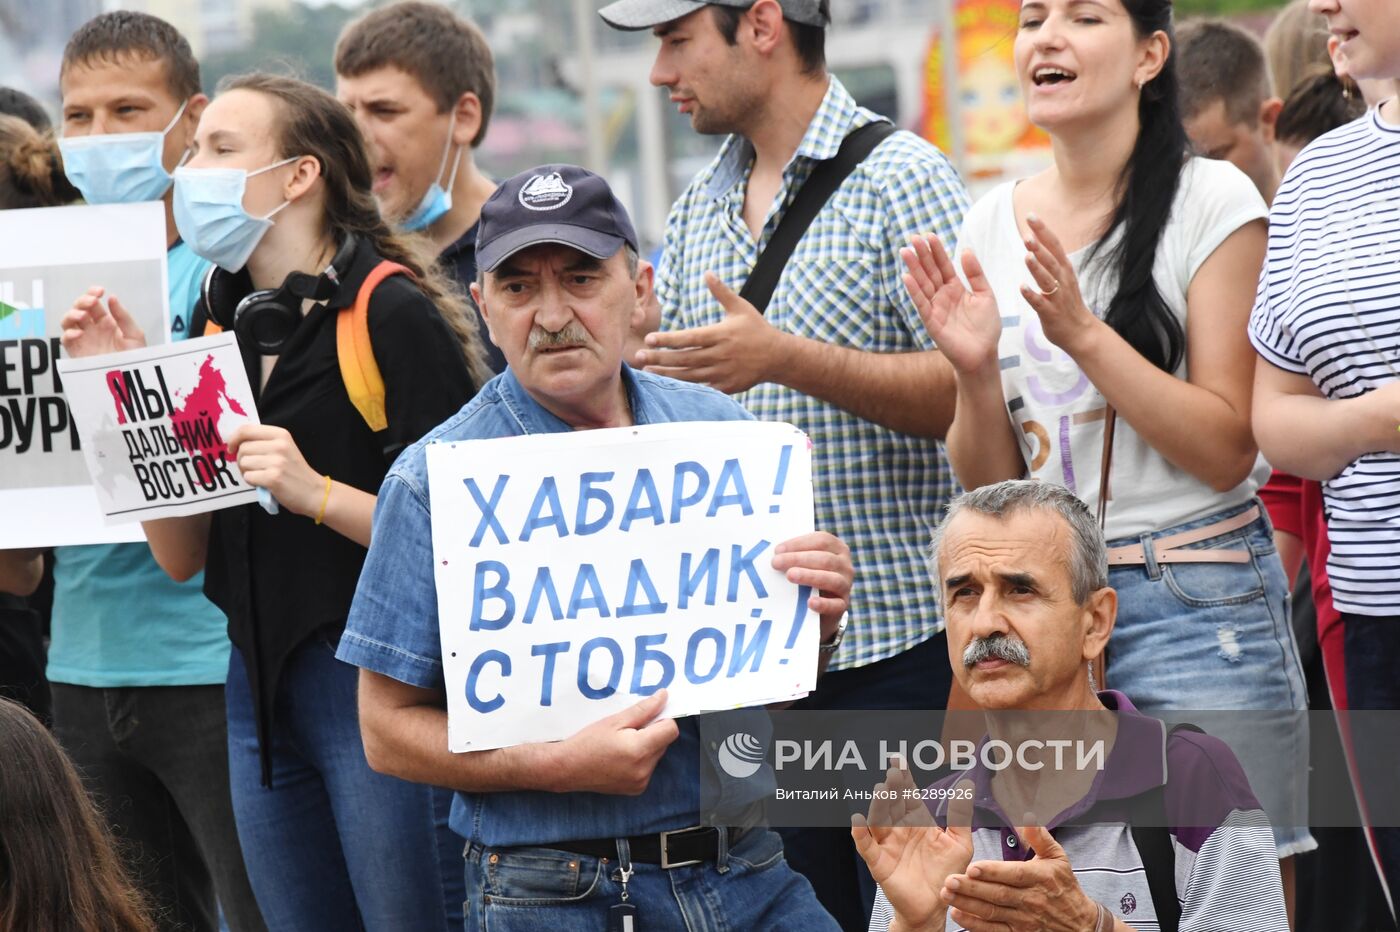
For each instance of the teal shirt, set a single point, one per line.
(118, 620)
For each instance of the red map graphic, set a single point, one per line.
(195, 423)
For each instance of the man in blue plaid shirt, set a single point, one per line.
(841, 351)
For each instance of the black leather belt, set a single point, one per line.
(669, 849)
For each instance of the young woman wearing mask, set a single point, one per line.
(277, 194)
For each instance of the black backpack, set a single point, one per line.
(1154, 845)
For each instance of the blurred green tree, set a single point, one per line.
(298, 40)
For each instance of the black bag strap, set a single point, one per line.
(1154, 845)
(805, 206)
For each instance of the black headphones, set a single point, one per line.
(266, 319)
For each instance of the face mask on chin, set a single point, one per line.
(119, 168)
(436, 200)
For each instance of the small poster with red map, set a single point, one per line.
(155, 423)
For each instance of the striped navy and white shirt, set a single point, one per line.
(1227, 874)
(1328, 307)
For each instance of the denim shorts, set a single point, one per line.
(1217, 636)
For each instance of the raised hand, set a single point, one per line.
(1064, 317)
(908, 854)
(92, 328)
(732, 355)
(963, 321)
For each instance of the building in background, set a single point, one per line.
(32, 36)
(880, 49)
(212, 26)
(570, 89)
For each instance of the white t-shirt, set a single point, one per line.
(1328, 307)
(1058, 414)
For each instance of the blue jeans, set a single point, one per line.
(747, 888)
(1217, 636)
(332, 844)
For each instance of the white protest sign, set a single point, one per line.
(578, 573)
(50, 257)
(155, 424)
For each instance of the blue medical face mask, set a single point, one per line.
(210, 217)
(119, 168)
(436, 200)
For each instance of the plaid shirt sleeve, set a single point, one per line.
(927, 196)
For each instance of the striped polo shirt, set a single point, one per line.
(1227, 874)
(1328, 307)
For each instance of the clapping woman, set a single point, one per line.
(1099, 337)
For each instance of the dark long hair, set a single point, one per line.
(1146, 191)
(314, 123)
(58, 870)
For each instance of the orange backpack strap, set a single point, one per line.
(358, 368)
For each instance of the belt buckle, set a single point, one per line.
(666, 862)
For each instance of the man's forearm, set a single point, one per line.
(912, 393)
(414, 747)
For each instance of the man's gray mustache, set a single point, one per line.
(572, 335)
(1006, 647)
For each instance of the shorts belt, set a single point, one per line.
(1167, 549)
(678, 848)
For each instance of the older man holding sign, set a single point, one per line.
(576, 574)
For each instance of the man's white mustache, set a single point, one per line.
(1006, 647)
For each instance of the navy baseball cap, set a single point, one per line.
(644, 14)
(552, 204)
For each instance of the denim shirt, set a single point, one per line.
(393, 623)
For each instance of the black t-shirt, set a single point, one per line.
(281, 578)
(459, 261)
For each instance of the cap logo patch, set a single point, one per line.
(545, 192)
